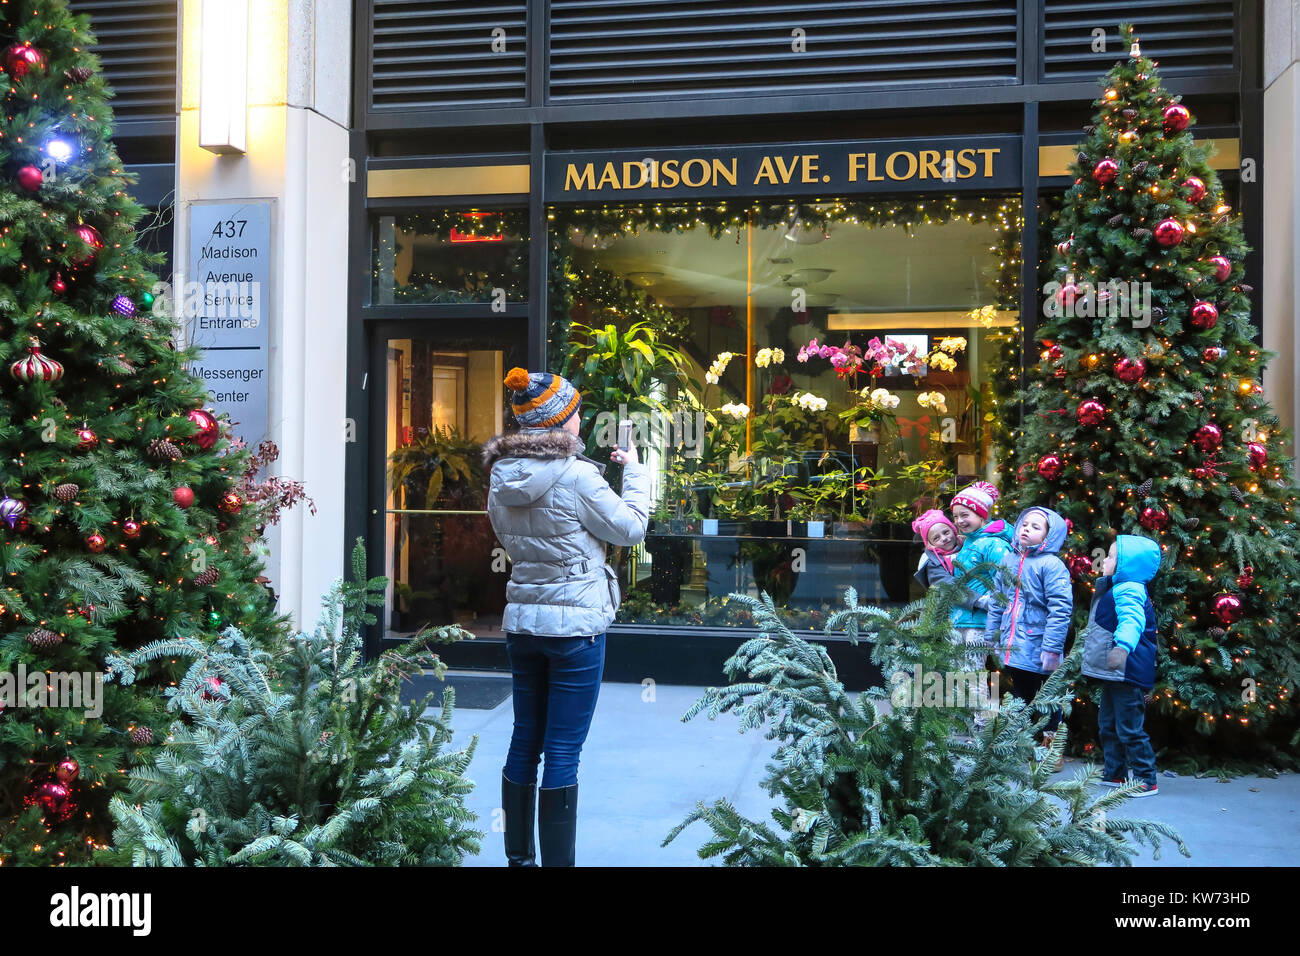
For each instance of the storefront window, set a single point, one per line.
(805, 379)
(451, 256)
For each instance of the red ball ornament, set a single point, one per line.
(1205, 315)
(231, 503)
(96, 542)
(1222, 268)
(51, 795)
(1177, 118)
(1169, 233)
(1246, 578)
(30, 178)
(1195, 188)
(1258, 455)
(1226, 607)
(1051, 467)
(91, 237)
(67, 771)
(209, 431)
(86, 439)
(1105, 171)
(1090, 412)
(1130, 370)
(1060, 373)
(183, 496)
(1054, 353)
(21, 59)
(212, 687)
(58, 286)
(1079, 564)
(1069, 526)
(1208, 437)
(1154, 519)
(131, 528)
(1066, 296)
(1213, 353)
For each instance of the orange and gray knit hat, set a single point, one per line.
(541, 400)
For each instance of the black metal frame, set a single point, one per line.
(1029, 101)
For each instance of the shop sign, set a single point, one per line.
(227, 313)
(823, 169)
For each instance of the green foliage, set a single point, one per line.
(444, 461)
(303, 756)
(1224, 689)
(124, 380)
(863, 784)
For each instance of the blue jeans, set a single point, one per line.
(1125, 746)
(556, 681)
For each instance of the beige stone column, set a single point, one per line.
(299, 89)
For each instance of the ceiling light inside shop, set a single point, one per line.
(960, 318)
(805, 234)
(802, 277)
(678, 301)
(645, 279)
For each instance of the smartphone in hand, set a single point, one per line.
(624, 435)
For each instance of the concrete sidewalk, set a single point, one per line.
(643, 770)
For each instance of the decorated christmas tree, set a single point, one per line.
(120, 522)
(1146, 416)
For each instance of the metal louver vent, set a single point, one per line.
(430, 53)
(1179, 36)
(602, 49)
(137, 49)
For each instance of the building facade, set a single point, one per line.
(455, 189)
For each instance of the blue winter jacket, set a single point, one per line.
(989, 544)
(1122, 614)
(1038, 617)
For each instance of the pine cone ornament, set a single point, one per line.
(1087, 468)
(66, 492)
(1237, 496)
(1144, 489)
(1115, 220)
(78, 74)
(1090, 128)
(1140, 167)
(1157, 313)
(1140, 233)
(1129, 114)
(162, 449)
(1191, 522)
(207, 578)
(1217, 632)
(44, 639)
(1083, 159)
(141, 736)
(1246, 288)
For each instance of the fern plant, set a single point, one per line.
(860, 783)
(303, 756)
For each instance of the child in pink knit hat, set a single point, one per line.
(939, 535)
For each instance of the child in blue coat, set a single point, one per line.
(1032, 628)
(986, 541)
(1120, 651)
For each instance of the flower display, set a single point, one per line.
(736, 411)
(935, 400)
(809, 402)
(718, 367)
(766, 357)
(951, 343)
(880, 396)
(942, 361)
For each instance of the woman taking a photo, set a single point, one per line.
(554, 513)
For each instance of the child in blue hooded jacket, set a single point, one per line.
(1120, 651)
(1032, 628)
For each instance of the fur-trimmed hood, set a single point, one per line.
(544, 443)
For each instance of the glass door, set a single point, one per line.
(442, 399)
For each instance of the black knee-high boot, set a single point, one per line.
(557, 824)
(518, 803)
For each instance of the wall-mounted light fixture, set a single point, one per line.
(223, 76)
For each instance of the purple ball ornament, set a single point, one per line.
(123, 305)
